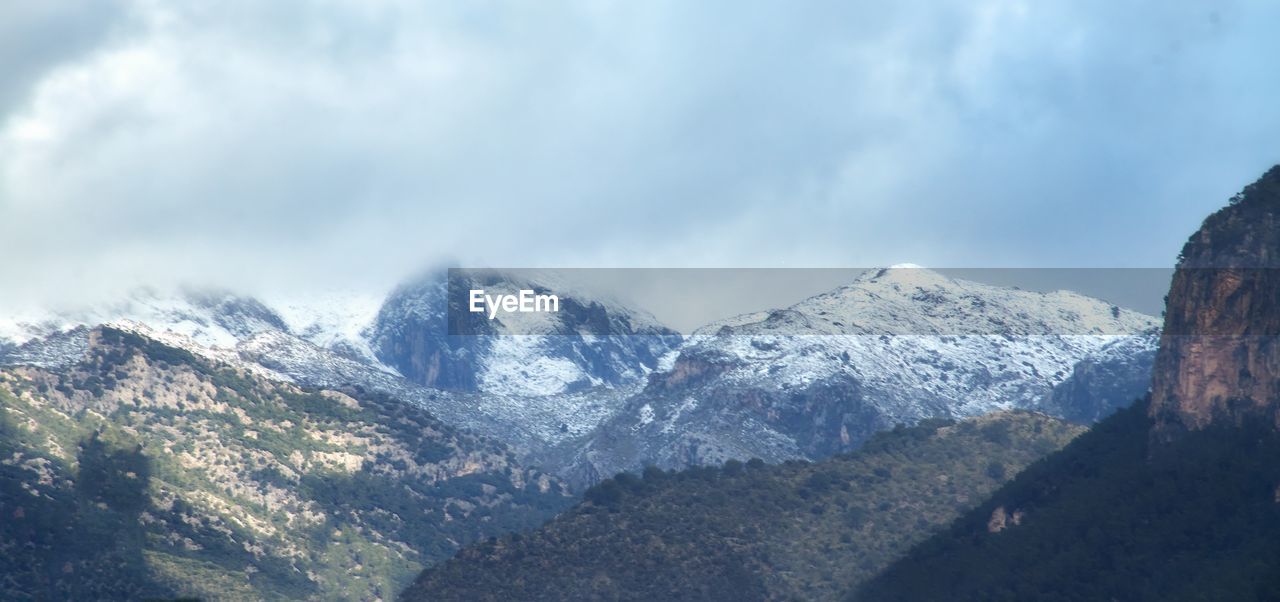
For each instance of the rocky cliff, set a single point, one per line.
(1219, 359)
(589, 342)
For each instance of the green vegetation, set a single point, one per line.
(148, 472)
(750, 530)
(1107, 518)
(71, 538)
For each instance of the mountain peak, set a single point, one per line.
(1244, 234)
(897, 270)
(917, 300)
(900, 275)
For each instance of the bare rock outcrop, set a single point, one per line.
(1219, 358)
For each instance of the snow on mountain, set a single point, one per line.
(210, 319)
(913, 300)
(332, 320)
(601, 387)
(532, 391)
(519, 363)
(1106, 380)
(590, 342)
(528, 423)
(58, 349)
(213, 319)
(981, 348)
(895, 346)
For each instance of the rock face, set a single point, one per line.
(1219, 358)
(589, 342)
(1112, 378)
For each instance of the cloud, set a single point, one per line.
(36, 36)
(333, 144)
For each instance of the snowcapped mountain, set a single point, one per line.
(907, 299)
(590, 342)
(1106, 380)
(336, 320)
(211, 318)
(895, 346)
(601, 387)
(530, 391)
(526, 423)
(203, 321)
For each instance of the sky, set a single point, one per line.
(294, 146)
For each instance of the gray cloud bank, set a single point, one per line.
(347, 144)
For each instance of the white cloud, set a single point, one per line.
(279, 145)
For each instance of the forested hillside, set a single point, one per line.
(752, 531)
(147, 471)
(1106, 520)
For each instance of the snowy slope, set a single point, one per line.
(528, 423)
(980, 348)
(533, 390)
(1109, 379)
(204, 322)
(591, 342)
(338, 321)
(906, 299)
(806, 381)
(214, 319)
(895, 346)
(210, 319)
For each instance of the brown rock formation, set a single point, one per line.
(1219, 358)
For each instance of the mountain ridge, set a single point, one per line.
(896, 345)
(751, 530)
(819, 377)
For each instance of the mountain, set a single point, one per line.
(1177, 498)
(753, 531)
(526, 423)
(145, 470)
(1105, 381)
(530, 390)
(894, 347)
(587, 343)
(209, 318)
(601, 387)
